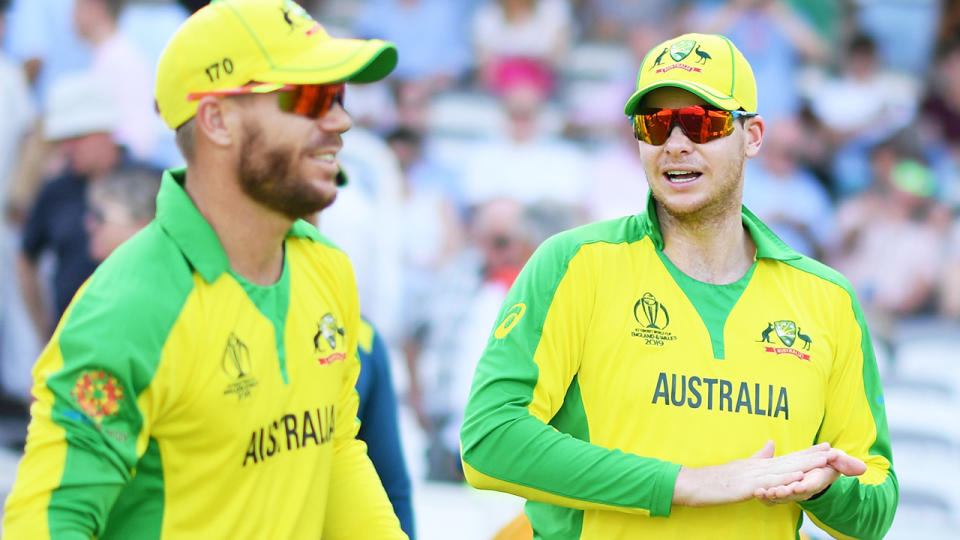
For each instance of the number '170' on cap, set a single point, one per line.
(230, 43)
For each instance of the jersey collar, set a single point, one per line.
(769, 245)
(181, 220)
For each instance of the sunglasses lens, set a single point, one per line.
(703, 125)
(653, 127)
(699, 124)
(311, 100)
(288, 99)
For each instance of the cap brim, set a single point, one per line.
(337, 60)
(708, 95)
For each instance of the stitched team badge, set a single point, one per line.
(295, 17)
(328, 333)
(682, 49)
(98, 394)
(789, 333)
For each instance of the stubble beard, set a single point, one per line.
(268, 175)
(727, 200)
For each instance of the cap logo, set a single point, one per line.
(681, 49)
(295, 16)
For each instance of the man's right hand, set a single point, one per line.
(742, 479)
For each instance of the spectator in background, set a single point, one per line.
(905, 31)
(43, 38)
(785, 195)
(503, 233)
(512, 36)
(17, 351)
(618, 183)
(527, 164)
(16, 109)
(149, 24)
(433, 60)
(126, 73)
(430, 32)
(612, 21)
(119, 205)
(862, 106)
(940, 122)
(949, 290)
(897, 216)
(377, 412)
(940, 109)
(778, 41)
(80, 116)
(432, 231)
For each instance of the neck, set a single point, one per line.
(251, 235)
(718, 250)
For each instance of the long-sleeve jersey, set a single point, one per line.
(609, 369)
(178, 400)
(379, 426)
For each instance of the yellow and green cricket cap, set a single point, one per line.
(709, 65)
(230, 43)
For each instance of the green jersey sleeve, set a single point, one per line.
(855, 421)
(525, 430)
(92, 413)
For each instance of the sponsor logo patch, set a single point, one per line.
(513, 316)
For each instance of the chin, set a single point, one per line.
(682, 204)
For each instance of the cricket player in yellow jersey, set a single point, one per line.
(682, 373)
(201, 383)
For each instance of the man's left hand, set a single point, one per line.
(814, 481)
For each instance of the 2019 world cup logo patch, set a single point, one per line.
(653, 318)
(98, 394)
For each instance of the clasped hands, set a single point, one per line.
(772, 480)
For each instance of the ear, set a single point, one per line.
(754, 129)
(212, 121)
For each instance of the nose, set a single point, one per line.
(336, 120)
(677, 141)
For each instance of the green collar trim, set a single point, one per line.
(769, 246)
(181, 220)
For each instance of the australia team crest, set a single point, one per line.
(788, 333)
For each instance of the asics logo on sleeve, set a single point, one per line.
(514, 314)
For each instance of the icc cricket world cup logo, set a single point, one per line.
(655, 314)
(236, 358)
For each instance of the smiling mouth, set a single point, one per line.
(681, 176)
(325, 156)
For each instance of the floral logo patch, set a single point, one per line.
(98, 394)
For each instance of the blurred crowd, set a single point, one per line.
(502, 125)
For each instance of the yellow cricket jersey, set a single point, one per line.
(609, 369)
(178, 400)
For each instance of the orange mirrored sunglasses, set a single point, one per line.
(700, 124)
(309, 100)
